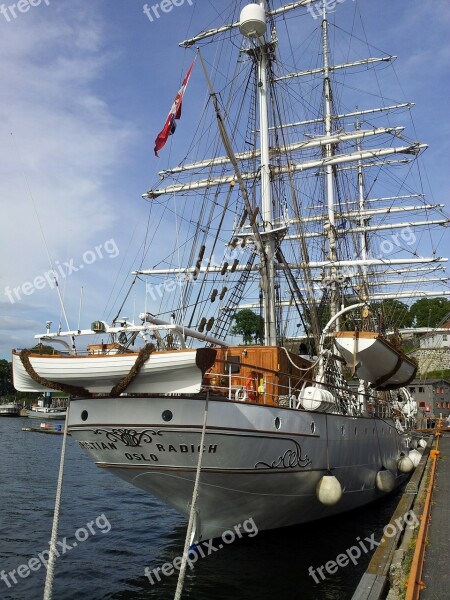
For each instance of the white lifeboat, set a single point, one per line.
(179, 371)
(375, 360)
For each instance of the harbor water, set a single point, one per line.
(110, 532)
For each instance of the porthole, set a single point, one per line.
(313, 427)
(84, 415)
(342, 430)
(356, 431)
(277, 423)
(365, 430)
(167, 415)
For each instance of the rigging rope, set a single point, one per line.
(311, 366)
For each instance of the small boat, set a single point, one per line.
(45, 428)
(53, 414)
(375, 360)
(11, 409)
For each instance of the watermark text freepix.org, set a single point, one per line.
(315, 8)
(35, 563)
(108, 248)
(22, 6)
(169, 285)
(202, 550)
(354, 553)
(165, 6)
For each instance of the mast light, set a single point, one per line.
(253, 21)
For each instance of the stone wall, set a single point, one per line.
(432, 359)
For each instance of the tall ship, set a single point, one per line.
(291, 220)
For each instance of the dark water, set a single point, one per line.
(143, 532)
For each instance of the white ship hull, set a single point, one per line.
(376, 361)
(250, 468)
(166, 372)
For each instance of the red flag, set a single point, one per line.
(174, 114)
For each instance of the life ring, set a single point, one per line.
(240, 395)
(250, 387)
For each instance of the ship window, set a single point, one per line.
(84, 415)
(313, 427)
(277, 423)
(421, 404)
(412, 390)
(342, 430)
(356, 431)
(167, 415)
(421, 389)
(234, 363)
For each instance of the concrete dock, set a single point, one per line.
(413, 564)
(436, 570)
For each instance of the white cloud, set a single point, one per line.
(57, 167)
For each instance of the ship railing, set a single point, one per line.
(241, 388)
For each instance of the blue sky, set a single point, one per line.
(86, 87)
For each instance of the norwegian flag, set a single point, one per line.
(174, 114)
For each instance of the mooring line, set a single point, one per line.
(48, 589)
(187, 542)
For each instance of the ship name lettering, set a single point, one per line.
(97, 445)
(183, 448)
(150, 458)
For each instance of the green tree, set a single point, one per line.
(42, 349)
(394, 313)
(249, 325)
(6, 386)
(429, 312)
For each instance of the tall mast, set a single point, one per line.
(268, 289)
(362, 385)
(363, 220)
(329, 178)
(253, 25)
